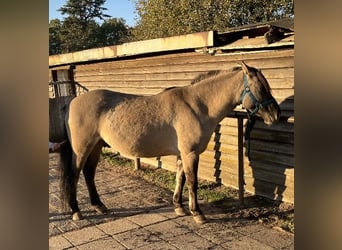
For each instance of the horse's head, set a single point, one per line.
(256, 96)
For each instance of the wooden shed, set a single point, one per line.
(147, 67)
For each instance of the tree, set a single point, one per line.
(114, 31)
(80, 30)
(75, 38)
(54, 36)
(252, 11)
(84, 11)
(161, 18)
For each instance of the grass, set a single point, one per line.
(287, 222)
(208, 191)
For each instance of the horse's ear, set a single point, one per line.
(245, 68)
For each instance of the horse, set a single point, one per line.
(177, 121)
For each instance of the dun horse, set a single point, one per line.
(178, 121)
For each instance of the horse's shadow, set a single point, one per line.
(274, 185)
(272, 188)
(112, 213)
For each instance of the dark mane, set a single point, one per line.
(206, 75)
(263, 80)
(169, 88)
(212, 73)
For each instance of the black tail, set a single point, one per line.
(66, 171)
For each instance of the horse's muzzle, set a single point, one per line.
(271, 114)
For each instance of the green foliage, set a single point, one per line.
(162, 18)
(84, 11)
(114, 31)
(80, 29)
(117, 160)
(54, 37)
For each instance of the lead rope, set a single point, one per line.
(250, 124)
(250, 114)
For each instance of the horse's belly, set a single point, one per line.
(150, 149)
(145, 144)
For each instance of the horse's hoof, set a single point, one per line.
(102, 209)
(200, 219)
(77, 216)
(180, 211)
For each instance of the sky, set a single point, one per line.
(116, 8)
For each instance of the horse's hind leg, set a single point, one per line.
(76, 213)
(89, 171)
(177, 195)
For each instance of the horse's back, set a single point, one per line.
(100, 97)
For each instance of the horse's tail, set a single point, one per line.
(66, 173)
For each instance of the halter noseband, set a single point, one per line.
(251, 114)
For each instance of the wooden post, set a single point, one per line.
(71, 77)
(137, 165)
(241, 164)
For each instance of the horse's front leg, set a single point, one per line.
(177, 195)
(190, 165)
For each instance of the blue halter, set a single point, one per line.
(251, 114)
(246, 90)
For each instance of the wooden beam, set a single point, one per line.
(240, 156)
(189, 41)
(137, 164)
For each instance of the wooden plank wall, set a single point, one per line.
(270, 172)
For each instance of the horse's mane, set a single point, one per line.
(263, 80)
(212, 73)
(205, 75)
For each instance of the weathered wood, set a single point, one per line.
(195, 40)
(137, 165)
(202, 64)
(269, 190)
(169, 75)
(262, 60)
(275, 136)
